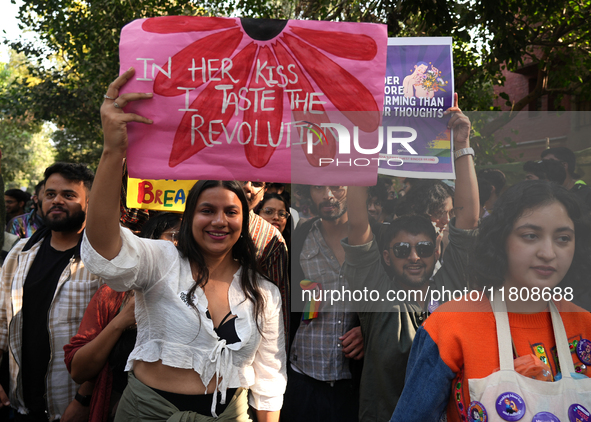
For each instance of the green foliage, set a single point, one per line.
(78, 59)
(24, 142)
(550, 40)
(79, 56)
(78, 147)
(472, 82)
(15, 141)
(489, 148)
(261, 9)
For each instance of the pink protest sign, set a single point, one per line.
(246, 99)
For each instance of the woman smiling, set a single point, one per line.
(532, 259)
(209, 325)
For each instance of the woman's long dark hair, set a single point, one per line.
(489, 260)
(243, 250)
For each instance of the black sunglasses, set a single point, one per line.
(254, 184)
(402, 249)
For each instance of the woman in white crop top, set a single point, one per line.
(210, 329)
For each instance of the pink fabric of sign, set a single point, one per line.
(239, 98)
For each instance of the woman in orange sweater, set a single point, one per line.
(537, 240)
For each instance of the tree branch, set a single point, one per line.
(464, 77)
(336, 10)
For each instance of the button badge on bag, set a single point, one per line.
(477, 412)
(577, 413)
(584, 351)
(510, 406)
(545, 417)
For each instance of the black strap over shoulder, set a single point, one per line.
(36, 237)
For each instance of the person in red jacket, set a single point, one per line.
(107, 334)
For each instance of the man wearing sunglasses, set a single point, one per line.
(407, 250)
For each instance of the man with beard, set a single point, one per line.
(45, 289)
(408, 254)
(321, 385)
(271, 250)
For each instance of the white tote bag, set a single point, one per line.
(507, 395)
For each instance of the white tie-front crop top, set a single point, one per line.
(170, 330)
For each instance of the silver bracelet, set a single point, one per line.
(463, 151)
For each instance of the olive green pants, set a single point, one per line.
(140, 403)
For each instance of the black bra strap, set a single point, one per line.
(225, 319)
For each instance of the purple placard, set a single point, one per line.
(419, 88)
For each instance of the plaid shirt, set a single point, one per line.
(316, 350)
(75, 288)
(272, 257)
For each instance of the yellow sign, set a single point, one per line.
(158, 195)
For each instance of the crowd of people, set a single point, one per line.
(221, 314)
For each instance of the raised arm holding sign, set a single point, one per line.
(210, 329)
(409, 253)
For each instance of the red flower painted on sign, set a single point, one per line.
(287, 64)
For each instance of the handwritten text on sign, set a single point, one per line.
(158, 195)
(233, 96)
